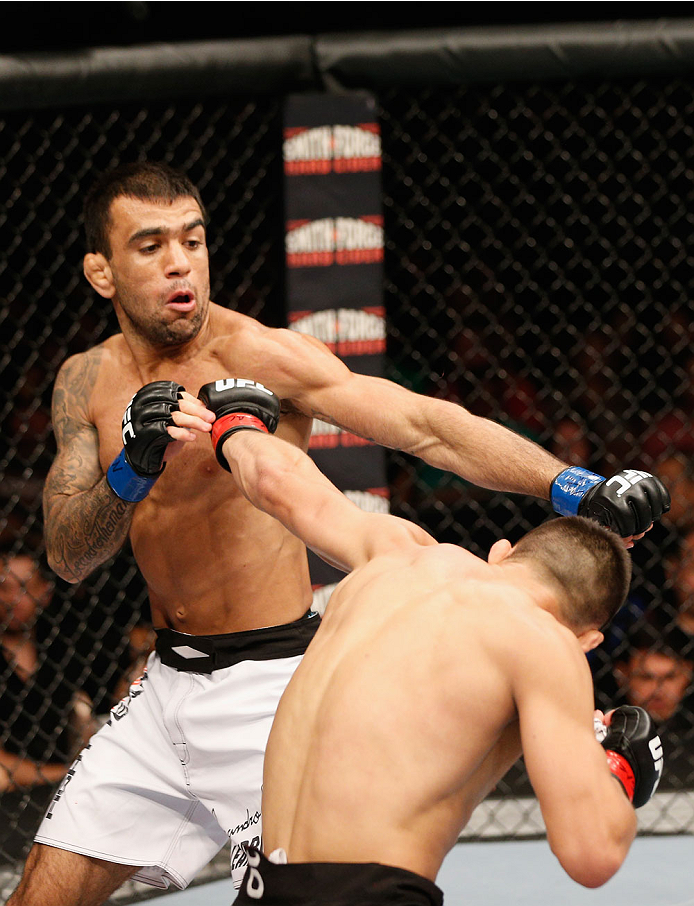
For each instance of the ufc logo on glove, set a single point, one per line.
(240, 383)
(627, 479)
(128, 430)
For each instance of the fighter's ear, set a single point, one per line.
(499, 551)
(98, 272)
(590, 639)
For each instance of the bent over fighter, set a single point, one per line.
(177, 771)
(432, 671)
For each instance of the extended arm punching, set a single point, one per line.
(451, 438)
(283, 482)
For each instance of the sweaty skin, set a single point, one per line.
(415, 682)
(430, 673)
(212, 563)
(368, 719)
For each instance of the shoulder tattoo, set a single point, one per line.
(72, 390)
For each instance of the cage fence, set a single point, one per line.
(537, 271)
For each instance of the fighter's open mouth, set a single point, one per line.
(181, 300)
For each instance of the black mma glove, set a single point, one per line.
(145, 438)
(628, 503)
(239, 405)
(634, 753)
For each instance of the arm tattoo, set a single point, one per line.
(287, 407)
(85, 522)
(88, 530)
(71, 393)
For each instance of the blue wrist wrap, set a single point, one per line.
(125, 482)
(570, 487)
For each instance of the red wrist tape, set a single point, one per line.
(235, 421)
(623, 771)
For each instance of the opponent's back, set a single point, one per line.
(400, 718)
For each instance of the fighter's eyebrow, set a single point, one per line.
(193, 224)
(164, 231)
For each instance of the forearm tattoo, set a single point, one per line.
(85, 522)
(87, 531)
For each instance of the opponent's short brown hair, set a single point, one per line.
(587, 565)
(146, 180)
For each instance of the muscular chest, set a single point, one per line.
(193, 471)
(118, 383)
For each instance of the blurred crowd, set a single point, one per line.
(603, 409)
(58, 680)
(69, 653)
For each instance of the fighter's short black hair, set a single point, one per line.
(587, 564)
(146, 180)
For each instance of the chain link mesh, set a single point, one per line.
(537, 271)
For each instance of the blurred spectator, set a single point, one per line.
(45, 718)
(570, 442)
(670, 433)
(677, 472)
(43, 722)
(680, 573)
(656, 673)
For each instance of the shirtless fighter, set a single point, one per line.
(431, 673)
(177, 771)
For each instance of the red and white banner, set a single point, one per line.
(334, 256)
(332, 149)
(334, 240)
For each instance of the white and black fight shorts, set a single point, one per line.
(333, 884)
(177, 769)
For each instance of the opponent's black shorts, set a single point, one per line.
(333, 884)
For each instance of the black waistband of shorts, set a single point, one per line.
(334, 884)
(205, 653)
